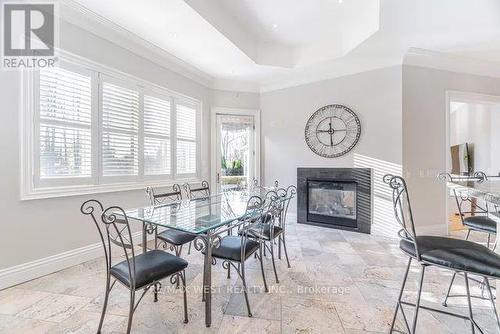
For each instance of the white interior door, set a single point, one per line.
(235, 149)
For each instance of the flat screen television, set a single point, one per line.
(461, 159)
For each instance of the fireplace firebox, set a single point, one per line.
(332, 202)
(335, 197)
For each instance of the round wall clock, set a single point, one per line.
(332, 131)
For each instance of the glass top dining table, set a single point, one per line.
(208, 218)
(198, 216)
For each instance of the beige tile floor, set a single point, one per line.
(340, 282)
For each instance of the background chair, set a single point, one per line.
(164, 198)
(476, 218)
(453, 254)
(139, 272)
(291, 191)
(197, 192)
(235, 250)
(270, 228)
(175, 238)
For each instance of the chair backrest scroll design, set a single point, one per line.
(119, 234)
(462, 194)
(164, 198)
(197, 193)
(402, 209)
(253, 215)
(94, 209)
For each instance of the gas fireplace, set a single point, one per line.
(332, 202)
(335, 197)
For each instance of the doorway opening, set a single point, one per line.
(473, 142)
(235, 158)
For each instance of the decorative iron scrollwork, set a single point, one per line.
(216, 241)
(166, 245)
(150, 228)
(481, 176)
(175, 279)
(200, 243)
(445, 177)
(226, 264)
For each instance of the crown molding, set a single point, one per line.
(451, 62)
(77, 14)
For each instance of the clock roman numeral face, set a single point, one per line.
(332, 131)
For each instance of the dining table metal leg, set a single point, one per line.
(279, 247)
(144, 238)
(207, 281)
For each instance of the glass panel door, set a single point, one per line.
(235, 152)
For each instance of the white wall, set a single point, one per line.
(474, 123)
(495, 141)
(374, 96)
(243, 100)
(424, 136)
(31, 230)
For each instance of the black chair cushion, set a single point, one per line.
(263, 231)
(176, 237)
(457, 254)
(151, 266)
(230, 248)
(481, 223)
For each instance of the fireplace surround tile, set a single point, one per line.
(361, 176)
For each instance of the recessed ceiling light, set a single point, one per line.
(173, 35)
(275, 25)
(340, 1)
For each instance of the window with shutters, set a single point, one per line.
(186, 139)
(120, 130)
(93, 130)
(64, 126)
(157, 135)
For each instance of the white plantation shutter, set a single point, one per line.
(64, 124)
(120, 130)
(186, 139)
(156, 136)
(91, 129)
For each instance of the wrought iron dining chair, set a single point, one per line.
(272, 224)
(136, 272)
(291, 191)
(200, 192)
(234, 250)
(453, 254)
(475, 219)
(170, 238)
(255, 184)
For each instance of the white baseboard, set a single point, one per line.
(27, 271)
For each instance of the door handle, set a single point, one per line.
(218, 178)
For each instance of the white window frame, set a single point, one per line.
(34, 188)
(56, 181)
